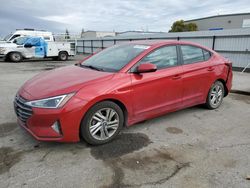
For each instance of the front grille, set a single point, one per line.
(22, 110)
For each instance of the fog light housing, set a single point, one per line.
(56, 127)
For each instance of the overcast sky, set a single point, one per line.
(108, 15)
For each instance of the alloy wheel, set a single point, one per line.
(216, 95)
(104, 123)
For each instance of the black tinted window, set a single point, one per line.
(162, 57)
(207, 55)
(46, 38)
(191, 54)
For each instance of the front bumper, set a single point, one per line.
(39, 124)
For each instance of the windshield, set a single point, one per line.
(114, 58)
(7, 37)
(20, 40)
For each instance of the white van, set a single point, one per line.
(47, 36)
(35, 47)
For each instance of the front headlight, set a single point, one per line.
(52, 102)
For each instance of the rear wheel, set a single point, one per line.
(215, 95)
(63, 56)
(102, 123)
(15, 57)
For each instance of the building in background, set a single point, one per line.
(132, 33)
(97, 34)
(105, 34)
(221, 22)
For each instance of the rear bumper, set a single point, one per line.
(229, 82)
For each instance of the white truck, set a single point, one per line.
(35, 47)
(48, 36)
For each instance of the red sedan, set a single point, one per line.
(120, 86)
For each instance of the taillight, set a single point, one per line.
(229, 64)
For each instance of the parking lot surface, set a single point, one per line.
(190, 148)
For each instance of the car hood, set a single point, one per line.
(7, 44)
(61, 81)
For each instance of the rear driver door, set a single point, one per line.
(197, 74)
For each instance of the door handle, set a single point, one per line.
(210, 68)
(176, 77)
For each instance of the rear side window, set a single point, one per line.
(46, 38)
(191, 54)
(163, 57)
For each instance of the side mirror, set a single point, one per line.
(27, 45)
(146, 67)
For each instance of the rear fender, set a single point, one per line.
(229, 78)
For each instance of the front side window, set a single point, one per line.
(20, 40)
(163, 57)
(191, 54)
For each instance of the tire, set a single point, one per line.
(15, 57)
(63, 56)
(215, 95)
(104, 127)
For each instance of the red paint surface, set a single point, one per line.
(144, 95)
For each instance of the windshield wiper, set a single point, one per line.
(91, 67)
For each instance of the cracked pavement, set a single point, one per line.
(190, 148)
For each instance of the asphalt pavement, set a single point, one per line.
(195, 147)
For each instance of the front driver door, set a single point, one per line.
(157, 92)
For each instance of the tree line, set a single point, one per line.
(177, 26)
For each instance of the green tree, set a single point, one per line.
(191, 27)
(180, 26)
(67, 34)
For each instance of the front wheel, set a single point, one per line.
(15, 57)
(102, 123)
(215, 95)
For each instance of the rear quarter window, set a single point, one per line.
(206, 54)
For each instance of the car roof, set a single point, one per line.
(154, 43)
